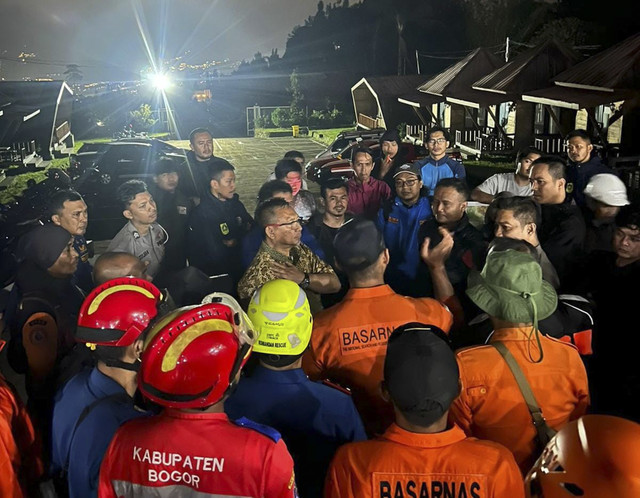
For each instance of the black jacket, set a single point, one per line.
(173, 214)
(194, 177)
(562, 234)
(215, 233)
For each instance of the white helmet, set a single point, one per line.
(608, 189)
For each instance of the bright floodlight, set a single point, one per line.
(160, 80)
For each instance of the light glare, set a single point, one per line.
(160, 81)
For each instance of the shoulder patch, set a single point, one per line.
(265, 430)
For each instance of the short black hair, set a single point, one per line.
(332, 184)
(196, 132)
(525, 151)
(266, 212)
(286, 166)
(580, 134)
(270, 188)
(57, 200)
(436, 129)
(292, 154)
(128, 191)
(360, 150)
(629, 217)
(500, 244)
(524, 209)
(390, 136)
(278, 360)
(164, 165)
(457, 184)
(217, 166)
(557, 166)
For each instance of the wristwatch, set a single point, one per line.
(305, 282)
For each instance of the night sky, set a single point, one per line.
(103, 38)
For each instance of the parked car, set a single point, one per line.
(117, 162)
(347, 137)
(320, 170)
(314, 167)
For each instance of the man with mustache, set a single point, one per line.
(68, 210)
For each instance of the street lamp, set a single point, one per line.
(160, 81)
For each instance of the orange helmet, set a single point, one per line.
(117, 312)
(594, 456)
(193, 355)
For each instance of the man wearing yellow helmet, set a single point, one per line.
(314, 419)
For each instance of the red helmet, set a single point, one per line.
(594, 456)
(192, 355)
(117, 312)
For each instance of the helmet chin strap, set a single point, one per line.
(132, 367)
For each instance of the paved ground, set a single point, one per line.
(255, 158)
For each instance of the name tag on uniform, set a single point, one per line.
(360, 340)
(429, 485)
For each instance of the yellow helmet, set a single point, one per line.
(280, 313)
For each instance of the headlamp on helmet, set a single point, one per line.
(193, 355)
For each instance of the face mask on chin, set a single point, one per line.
(295, 185)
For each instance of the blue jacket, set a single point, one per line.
(81, 450)
(314, 419)
(400, 225)
(433, 171)
(579, 174)
(253, 239)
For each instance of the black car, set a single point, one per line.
(117, 162)
(344, 138)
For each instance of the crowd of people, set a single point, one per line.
(369, 341)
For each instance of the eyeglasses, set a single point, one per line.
(299, 221)
(434, 141)
(408, 183)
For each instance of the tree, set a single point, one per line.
(142, 118)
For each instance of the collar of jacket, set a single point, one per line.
(448, 437)
(293, 376)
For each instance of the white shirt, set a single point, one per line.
(504, 182)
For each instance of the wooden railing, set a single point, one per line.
(493, 143)
(550, 144)
(367, 121)
(466, 136)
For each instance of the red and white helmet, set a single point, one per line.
(193, 355)
(594, 456)
(117, 312)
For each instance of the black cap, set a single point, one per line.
(421, 372)
(412, 169)
(358, 244)
(43, 245)
(165, 165)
